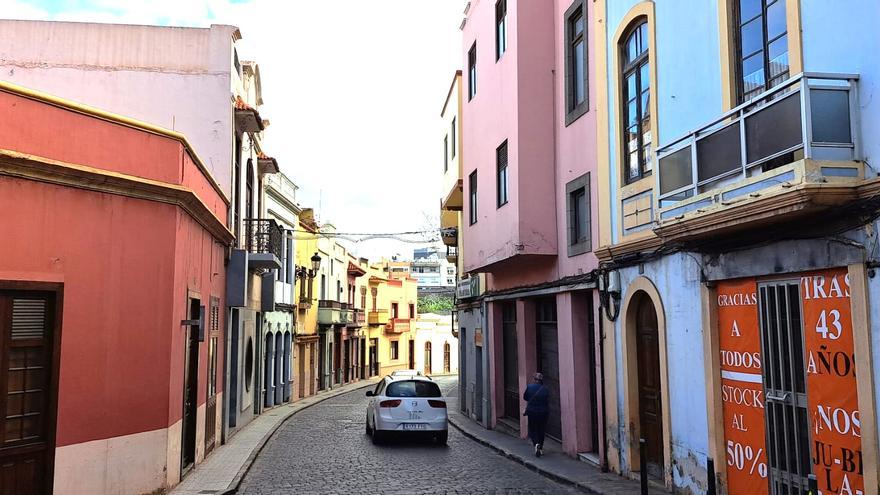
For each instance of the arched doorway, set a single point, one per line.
(649, 386)
(427, 358)
(279, 382)
(646, 387)
(446, 357)
(269, 371)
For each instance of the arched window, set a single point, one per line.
(635, 80)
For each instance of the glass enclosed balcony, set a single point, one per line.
(805, 130)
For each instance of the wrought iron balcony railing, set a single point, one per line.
(263, 236)
(812, 116)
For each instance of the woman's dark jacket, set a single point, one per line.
(537, 397)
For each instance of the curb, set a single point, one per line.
(246, 467)
(521, 460)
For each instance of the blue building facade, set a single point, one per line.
(741, 151)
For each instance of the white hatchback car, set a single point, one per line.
(412, 404)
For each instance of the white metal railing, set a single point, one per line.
(813, 113)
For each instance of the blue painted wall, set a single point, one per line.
(688, 72)
(677, 279)
(842, 37)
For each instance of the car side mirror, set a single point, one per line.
(370, 393)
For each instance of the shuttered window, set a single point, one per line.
(28, 318)
(501, 176)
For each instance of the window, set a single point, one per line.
(236, 193)
(394, 311)
(249, 191)
(290, 261)
(579, 222)
(500, 29)
(576, 86)
(501, 174)
(324, 287)
(445, 153)
(413, 388)
(412, 310)
(472, 72)
(453, 136)
(395, 350)
(761, 46)
(636, 90)
(472, 206)
(363, 298)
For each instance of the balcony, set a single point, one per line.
(449, 236)
(452, 254)
(358, 318)
(333, 313)
(454, 198)
(263, 240)
(397, 325)
(247, 118)
(379, 317)
(791, 151)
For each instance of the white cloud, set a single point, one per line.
(353, 89)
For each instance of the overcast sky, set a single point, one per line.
(353, 90)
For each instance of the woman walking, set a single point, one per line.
(537, 398)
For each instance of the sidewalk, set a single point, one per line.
(223, 470)
(554, 464)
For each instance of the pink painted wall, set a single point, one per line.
(521, 98)
(495, 114)
(575, 146)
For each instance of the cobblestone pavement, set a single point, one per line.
(323, 449)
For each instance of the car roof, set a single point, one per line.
(407, 378)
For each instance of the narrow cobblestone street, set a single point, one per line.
(324, 450)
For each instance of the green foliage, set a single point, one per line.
(436, 303)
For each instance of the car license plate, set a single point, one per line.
(415, 426)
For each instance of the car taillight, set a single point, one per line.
(437, 403)
(389, 403)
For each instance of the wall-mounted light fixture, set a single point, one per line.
(609, 293)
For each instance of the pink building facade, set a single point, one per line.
(528, 135)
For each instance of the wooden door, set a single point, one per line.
(428, 358)
(511, 366)
(190, 390)
(211, 402)
(650, 406)
(303, 356)
(28, 377)
(412, 354)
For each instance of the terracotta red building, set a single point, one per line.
(113, 245)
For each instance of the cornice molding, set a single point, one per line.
(30, 167)
(116, 119)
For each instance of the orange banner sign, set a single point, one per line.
(742, 390)
(831, 383)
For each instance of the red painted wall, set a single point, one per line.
(126, 265)
(116, 257)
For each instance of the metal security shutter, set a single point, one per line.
(548, 361)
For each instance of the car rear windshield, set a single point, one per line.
(413, 388)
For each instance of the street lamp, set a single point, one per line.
(316, 263)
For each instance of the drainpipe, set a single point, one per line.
(487, 396)
(603, 462)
